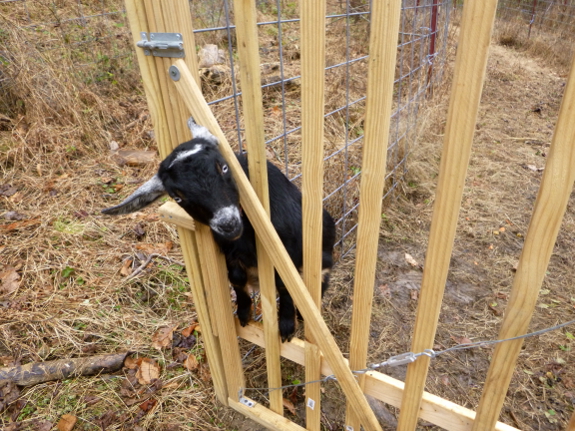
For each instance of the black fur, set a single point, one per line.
(202, 185)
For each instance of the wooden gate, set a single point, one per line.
(173, 90)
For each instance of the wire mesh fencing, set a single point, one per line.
(94, 37)
(541, 15)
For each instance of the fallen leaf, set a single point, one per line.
(409, 259)
(67, 422)
(414, 294)
(461, 340)
(148, 405)
(139, 230)
(7, 190)
(135, 157)
(13, 215)
(19, 225)
(204, 372)
(9, 280)
(191, 362)
(9, 393)
(163, 337)
(289, 405)
(186, 332)
(126, 268)
(445, 380)
(148, 371)
(159, 248)
(385, 290)
(131, 363)
(501, 295)
(501, 229)
(533, 168)
(43, 425)
(113, 146)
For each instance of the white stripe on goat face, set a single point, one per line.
(225, 216)
(185, 154)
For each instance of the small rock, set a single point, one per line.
(210, 55)
(13, 215)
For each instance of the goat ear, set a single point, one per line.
(144, 196)
(201, 132)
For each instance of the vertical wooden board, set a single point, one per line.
(382, 58)
(550, 205)
(571, 424)
(248, 50)
(470, 66)
(217, 284)
(191, 94)
(312, 123)
(265, 417)
(197, 287)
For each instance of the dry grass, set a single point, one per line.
(73, 300)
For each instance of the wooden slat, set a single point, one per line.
(265, 417)
(434, 409)
(248, 50)
(170, 125)
(221, 313)
(382, 58)
(550, 206)
(312, 95)
(571, 424)
(469, 74)
(173, 213)
(191, 94)
(211, 342)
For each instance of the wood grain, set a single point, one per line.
(248, 50)
(381, 73)
(191, 94)
(550, 205)
(469, 74)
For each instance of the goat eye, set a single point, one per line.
(177, 199)
(224, 169)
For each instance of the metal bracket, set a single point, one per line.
(162, 44)
(247, 402)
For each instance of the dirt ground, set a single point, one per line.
(66, 292)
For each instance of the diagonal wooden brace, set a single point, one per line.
(194, 100)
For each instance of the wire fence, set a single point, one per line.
(556, 16)
(94, 37)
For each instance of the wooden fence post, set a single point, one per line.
(470, 67)
(312, 125)
(248, 50)
(192, 96)
(385, 17)
(169, 117)
(550, 206)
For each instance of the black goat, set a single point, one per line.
(197, 177)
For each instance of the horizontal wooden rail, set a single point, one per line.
(434, 409)
(195, 102)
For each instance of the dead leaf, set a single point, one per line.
(445, 380)
(409, 259)
(113, 146)
(163, 337)
(385, 290)
(159, 248)
(126, 268)
(289, 405)
(148, 405)
(139, 230)
(43, 425)
(67, 422)
(204, 372)
(191, 362)
(148, 371)
(131, 363)
(533, 168)
(186, 332)
(414, 294)
(9, 280)
(19, 225)
(135, 157)
(461, 340)
(13, 215)
(7, 190)
(9, 393)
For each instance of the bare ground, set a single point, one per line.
(72, 297)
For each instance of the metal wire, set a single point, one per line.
(409, 357)
(96, 34)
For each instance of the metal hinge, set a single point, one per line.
(162, 44)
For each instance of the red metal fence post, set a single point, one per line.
(431, 56)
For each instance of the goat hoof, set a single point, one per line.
(287, 330)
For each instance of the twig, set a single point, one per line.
(148, 260)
